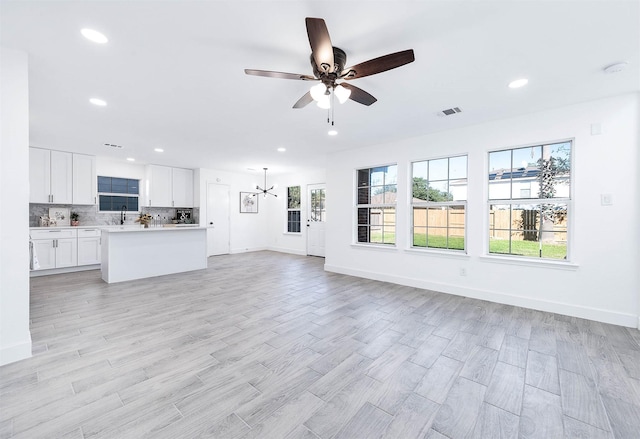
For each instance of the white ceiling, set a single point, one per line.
(172, 72)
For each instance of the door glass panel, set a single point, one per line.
(317, 210)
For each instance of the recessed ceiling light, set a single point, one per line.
(159, 150)
(615, 68)
(332, 132)
(94, 35)
(131, 159)
(281, 149)
(518, 83)
(98, 102)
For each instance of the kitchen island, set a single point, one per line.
(138, 253)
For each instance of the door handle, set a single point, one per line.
(210, 223)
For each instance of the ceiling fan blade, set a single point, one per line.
(321, 46)
(378, 65)
(281, 75)
(359, 95)
(305, 100)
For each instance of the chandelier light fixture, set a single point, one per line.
(264, 190)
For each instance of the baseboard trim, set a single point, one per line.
(37, 273)
(584, 312)
(288, 251)
(247, 250)
(16, 352)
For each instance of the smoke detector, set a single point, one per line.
(449, 112)
(615, 68)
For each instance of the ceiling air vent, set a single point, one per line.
(113, 145)
(449, 111)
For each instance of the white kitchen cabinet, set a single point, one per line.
(56, 248)
(46, 252)
(182, 187)
(50, 176)
(159, 191)
(84, 179)
(88, 246)
(169, 187)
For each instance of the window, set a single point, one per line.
(317, 210)
(376, 194)
(293, 209)
(439, 197)
(116, 193)
(529, 195)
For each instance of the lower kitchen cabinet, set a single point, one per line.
(57, 248)
(66, 247)
(89, 251)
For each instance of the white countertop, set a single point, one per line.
(135, 229)
(125, 227)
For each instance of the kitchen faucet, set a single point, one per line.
(123, 215)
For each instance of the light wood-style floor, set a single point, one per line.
(268, 345)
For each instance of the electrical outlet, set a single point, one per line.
(463, 271)
(606, 199)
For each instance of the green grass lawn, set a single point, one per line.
(498, 246)
(438, 241)
(528, 248)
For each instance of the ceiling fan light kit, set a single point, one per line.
(328, 63)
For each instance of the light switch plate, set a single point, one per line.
(606, 199)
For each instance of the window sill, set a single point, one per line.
(456, 254)
(528, 262)
(383, 247)
(292, 233)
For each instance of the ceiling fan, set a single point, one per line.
(328, 64)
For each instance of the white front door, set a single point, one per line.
(218, 205)
(316, 217)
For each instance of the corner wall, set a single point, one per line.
(15, 338)
(279, 239)
(601, 282)
(247, 232)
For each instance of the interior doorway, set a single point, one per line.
(218, 209)
(316, 218)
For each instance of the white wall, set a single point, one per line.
(248, 231)
(15, 338)
(107, 167)
(279, 239)
(601, 282)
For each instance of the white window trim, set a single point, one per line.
(287, 210)
(355, 243)
(435, 250)
(568, 263)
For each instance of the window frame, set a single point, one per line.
(289, 210)
(567, 201)
(369, 206)
(126, 195)
(426, 204)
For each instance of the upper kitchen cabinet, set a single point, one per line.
(182, 187)
(50, 176)
(84, 179)
(169, 187)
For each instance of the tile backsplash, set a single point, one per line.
(90, 216)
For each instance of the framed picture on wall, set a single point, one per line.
(248, 202)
